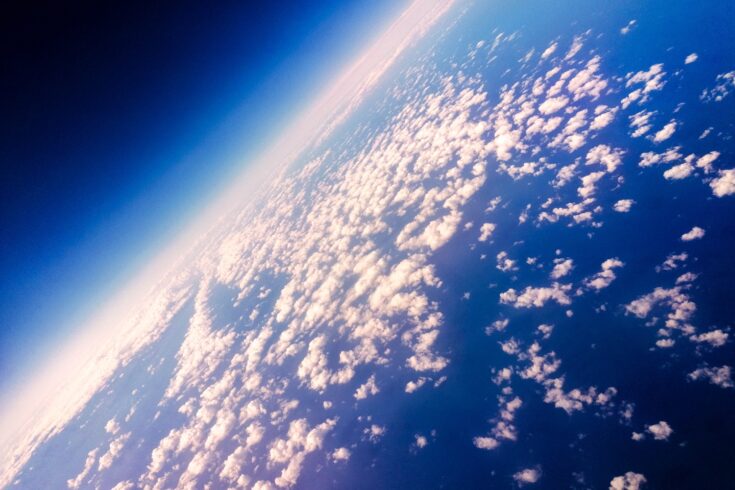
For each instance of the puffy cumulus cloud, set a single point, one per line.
(562, 267)
(643, 83)
(629, 481)
(715, 338)
(623, 205)
(694, 234)
(536, 297)
(610, 158)
(651, 158)
(691, 58)
(665, 133)
(678, 172)
(606, 275)
(420, 441)
(640, 123)
(367, 389)
(375, 432)
(412, 386)
(486, 231)
(681, 307)
(113, 451)
(705, 162)
(660, 431)
(724, 85)
(77, 481)
(673, 261)
(720, 376)
(527, 476)
(505, 263)
(576, 399)
(341, 454)
(724, 183)
(485, 442)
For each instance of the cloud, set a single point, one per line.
(678, 172)
(724, 84)
(488, 443)
(527, 476)
(665, 133)
(562, 267)
(367, 389)
(715, 338)
(486, 231)
(724, 184)
(628, 481)
(341, 454)
(537, 296)
(77, 481)
(720, 376)
(504, 263)
(628, 27)
(640, 122)
(695, 233)
(705, 162)
(660, 431)
(606, 276)
(113, 452)
(623, 205)
(549, 51)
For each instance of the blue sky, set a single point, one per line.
(123, 121)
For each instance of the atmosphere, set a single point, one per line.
(120, 121)
(418, 244)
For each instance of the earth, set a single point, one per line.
(511, 265)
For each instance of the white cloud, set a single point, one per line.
(562, 267)
(628, 481)
(694, 234)
(691, 58)
(537, 296)
(505, 264)
(527, 476)
(724, 84)
(113, 452)
(488, 443)
(77, 481)
(715, 338)
(549, 51)
(673, 261)
(724, 184)
(486, 231)
(705, 162)
(610, 158)
(553, 104)
(420, 441)
(341, 454)
(665, 133)
(720, 376)
(623, 205)
(660, 431)
(606, 276)
(641, 122)
(678, 172)
(367, 389)
(628, 27)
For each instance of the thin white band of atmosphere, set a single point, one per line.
(61, 388)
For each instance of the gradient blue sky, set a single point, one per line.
(121, 121)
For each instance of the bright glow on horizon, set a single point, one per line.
(34, 411)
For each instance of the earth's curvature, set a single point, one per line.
(511, 265)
